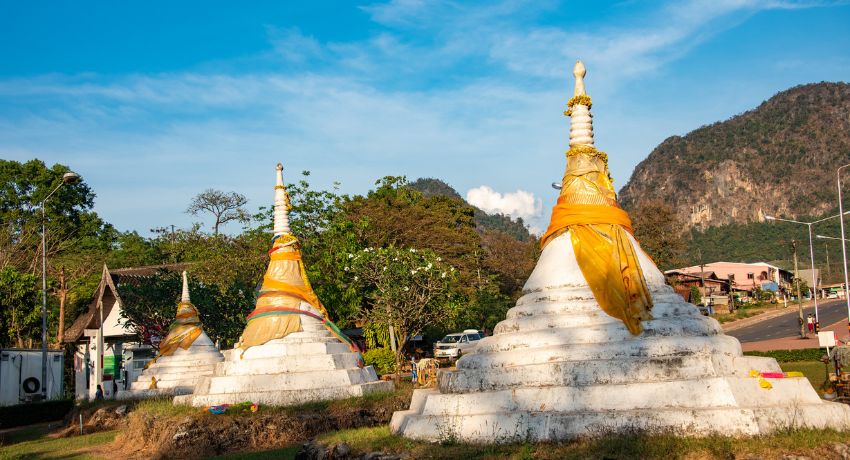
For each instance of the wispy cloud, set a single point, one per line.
(440, 88)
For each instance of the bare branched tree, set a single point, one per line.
(224, 206)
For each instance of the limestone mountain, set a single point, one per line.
(778, 159)
(484, 221)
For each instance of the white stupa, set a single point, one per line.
(289, 352)
(185, 355)
(595, 348)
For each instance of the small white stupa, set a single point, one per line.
(599, 344)
(290, 352)
(185, 355)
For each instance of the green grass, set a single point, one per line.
(64, 448)
(26, 433)
(813, 370)
(804, 442)
(741, 313)
(166, 406)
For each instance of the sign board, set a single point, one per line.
(826, 339)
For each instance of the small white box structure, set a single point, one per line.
(826, 339)
(20, 375)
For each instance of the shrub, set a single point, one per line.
(27, 414)
(381, 358)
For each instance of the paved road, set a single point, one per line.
(786, 325)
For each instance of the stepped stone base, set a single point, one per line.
(311, 365)
(559, 368)
(176, 374)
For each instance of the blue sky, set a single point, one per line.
(153, 102)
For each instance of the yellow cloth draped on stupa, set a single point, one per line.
(285, 286)
(185, 328)
(588, 209)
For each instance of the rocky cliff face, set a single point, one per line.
(778, 159)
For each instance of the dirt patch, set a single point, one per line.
(151, 435)
(95, 419)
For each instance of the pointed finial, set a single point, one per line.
(281, 205)
(579, 72)
(185, 298)
(581, 122)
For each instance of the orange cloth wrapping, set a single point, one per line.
(285, 286)
(598, 229)
(566, 215)
(182, 333)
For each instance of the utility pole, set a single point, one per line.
(803, 332)
(63, 294)
(701, 276)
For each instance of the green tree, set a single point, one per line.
(150, 305)
(659, 232)
(77, 239)
(695, 296)
(407, 289)
(20, 308)
(224, 207)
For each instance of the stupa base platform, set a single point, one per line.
(285, 397)
(558, 368)
(480, 427)
(302, 367)
(176, 374)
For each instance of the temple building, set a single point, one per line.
(106, 350)
(185, 355)
(599, 344)
(290, 352)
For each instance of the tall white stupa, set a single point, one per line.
(185, 355)
(599, 344)
(290, 352)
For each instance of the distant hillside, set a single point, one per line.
(501, 222)
(778, 159)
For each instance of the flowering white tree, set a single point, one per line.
(408, 290)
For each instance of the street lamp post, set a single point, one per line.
(67, 178)
(823, 237)
(843, 244)
(811, 254)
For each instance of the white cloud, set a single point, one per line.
(346, 117)
(515, 204)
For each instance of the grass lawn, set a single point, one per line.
(811, 443)
(33, 444)
(813, 370)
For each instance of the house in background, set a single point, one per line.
(105, 350)
(708, 284)
(744, 276)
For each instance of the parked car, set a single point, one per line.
(453, 346)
